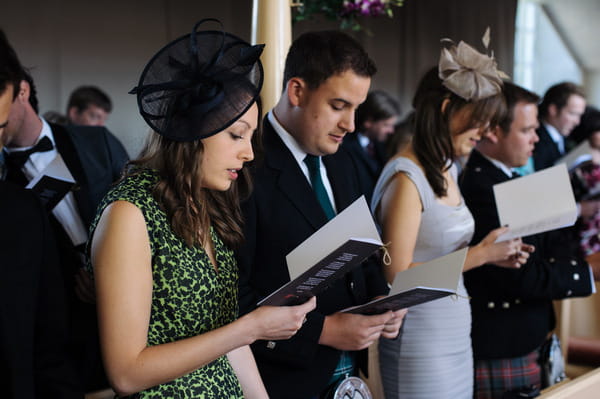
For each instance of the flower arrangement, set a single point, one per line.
(346, 11)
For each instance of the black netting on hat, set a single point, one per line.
(199, 84)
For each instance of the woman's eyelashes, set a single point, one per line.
(235, 136)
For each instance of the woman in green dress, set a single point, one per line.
(161, 247)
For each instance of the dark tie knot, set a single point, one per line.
(17, 159)
(312, 162)
(515, 174)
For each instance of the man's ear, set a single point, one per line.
(24, 91)
(296, 91)
(552, 110)
(72, 113)
(492, 134)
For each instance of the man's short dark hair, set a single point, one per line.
(559, 96)
(9, 66)
(14, 72)
(378, 106)
(316, 56)
(84, 96)
(513, 95)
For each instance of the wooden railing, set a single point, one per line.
(585, 387)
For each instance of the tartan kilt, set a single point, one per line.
(493, 377)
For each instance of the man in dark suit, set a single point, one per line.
(512, 308)
(34, 360)
(375, 121)
(94, 158)
(560, 111)
(327, 75)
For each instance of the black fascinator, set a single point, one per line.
(199, 84)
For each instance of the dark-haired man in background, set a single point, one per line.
(375, 122)
(88, 106)
(560, 112)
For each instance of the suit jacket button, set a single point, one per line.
(352, 285)
(491, 305)
(517, 301)
(569, 293)
(271, 344)
(505, 305)
(551, 260)
(574, 262)
(575, 276)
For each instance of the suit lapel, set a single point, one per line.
(290, 180)
(68, 152)
(477, 160)
(551, 144)
(355, 148)
(341, 186)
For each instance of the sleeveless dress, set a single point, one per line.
(432, 356)
(188, 296)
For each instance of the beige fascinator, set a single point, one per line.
(469, 73)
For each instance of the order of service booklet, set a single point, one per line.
(53, 183)
(577, 155)
(328, 254)
(431, 280)
(535, 203)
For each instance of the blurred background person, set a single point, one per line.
(88, 106)
(559, 112)
(375, 119)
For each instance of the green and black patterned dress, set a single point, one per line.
(188, 296)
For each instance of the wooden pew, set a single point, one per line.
(585, 387)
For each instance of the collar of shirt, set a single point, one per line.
(39, 160)
(507, 171)
(362, 139)
(290, 142)
(556, 137)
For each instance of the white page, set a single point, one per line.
(579, 154)
(56, 169)
(440, 273)
(536, 203)
(353, 222)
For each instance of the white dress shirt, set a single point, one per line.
(66, 210)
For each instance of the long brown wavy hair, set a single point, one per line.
(190, 208)
(432, 140)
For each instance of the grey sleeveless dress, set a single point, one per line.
(432, 357)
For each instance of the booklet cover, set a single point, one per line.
(53, 183)
(535, 203)
(579, 154)
(332, 251)
(435, 279)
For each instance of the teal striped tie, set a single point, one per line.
(314, 172)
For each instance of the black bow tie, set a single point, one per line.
(515, 175)
(17, 159)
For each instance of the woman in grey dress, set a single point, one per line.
(422, 214)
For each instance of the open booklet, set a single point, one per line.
(419, 284)
(328, 254)
(579, 154)
(539, 202)
(53, 183)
